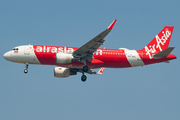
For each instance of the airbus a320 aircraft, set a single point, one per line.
(71, 60)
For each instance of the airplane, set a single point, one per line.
(70, 60)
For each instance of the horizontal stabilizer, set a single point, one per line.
(163, 53)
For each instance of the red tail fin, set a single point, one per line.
(160, 41)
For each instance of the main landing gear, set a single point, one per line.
(85, 69)
(26, 70)
(83, 78)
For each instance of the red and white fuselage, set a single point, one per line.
(73, 59)
(110, 58)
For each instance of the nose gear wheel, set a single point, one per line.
(26, 70)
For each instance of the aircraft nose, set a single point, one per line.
(6, 56)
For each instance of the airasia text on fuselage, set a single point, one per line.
(53, 49)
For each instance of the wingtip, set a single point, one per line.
(112, 25)
(101, 70)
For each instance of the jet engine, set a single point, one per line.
(63, 72)
(64, 58)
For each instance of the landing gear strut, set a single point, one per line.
(85, 69)
(26, 70)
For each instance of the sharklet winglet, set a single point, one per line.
(112, 25)
(100, 71)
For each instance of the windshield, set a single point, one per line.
(15, 49)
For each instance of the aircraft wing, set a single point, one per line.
(86, 51)
(98, 73)
(90, 71)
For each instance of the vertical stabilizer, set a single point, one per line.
(160, 42)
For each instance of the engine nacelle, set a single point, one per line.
(64, 58)
(63, 72)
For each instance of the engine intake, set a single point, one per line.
(63, 72)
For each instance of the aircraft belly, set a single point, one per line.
(94, 64)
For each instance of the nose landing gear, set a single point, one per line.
(26, 70)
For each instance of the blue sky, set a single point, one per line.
(149, 92)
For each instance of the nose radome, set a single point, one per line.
(6, 55)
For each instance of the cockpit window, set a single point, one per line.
(15, 49)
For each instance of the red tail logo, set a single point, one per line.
(160, 41)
